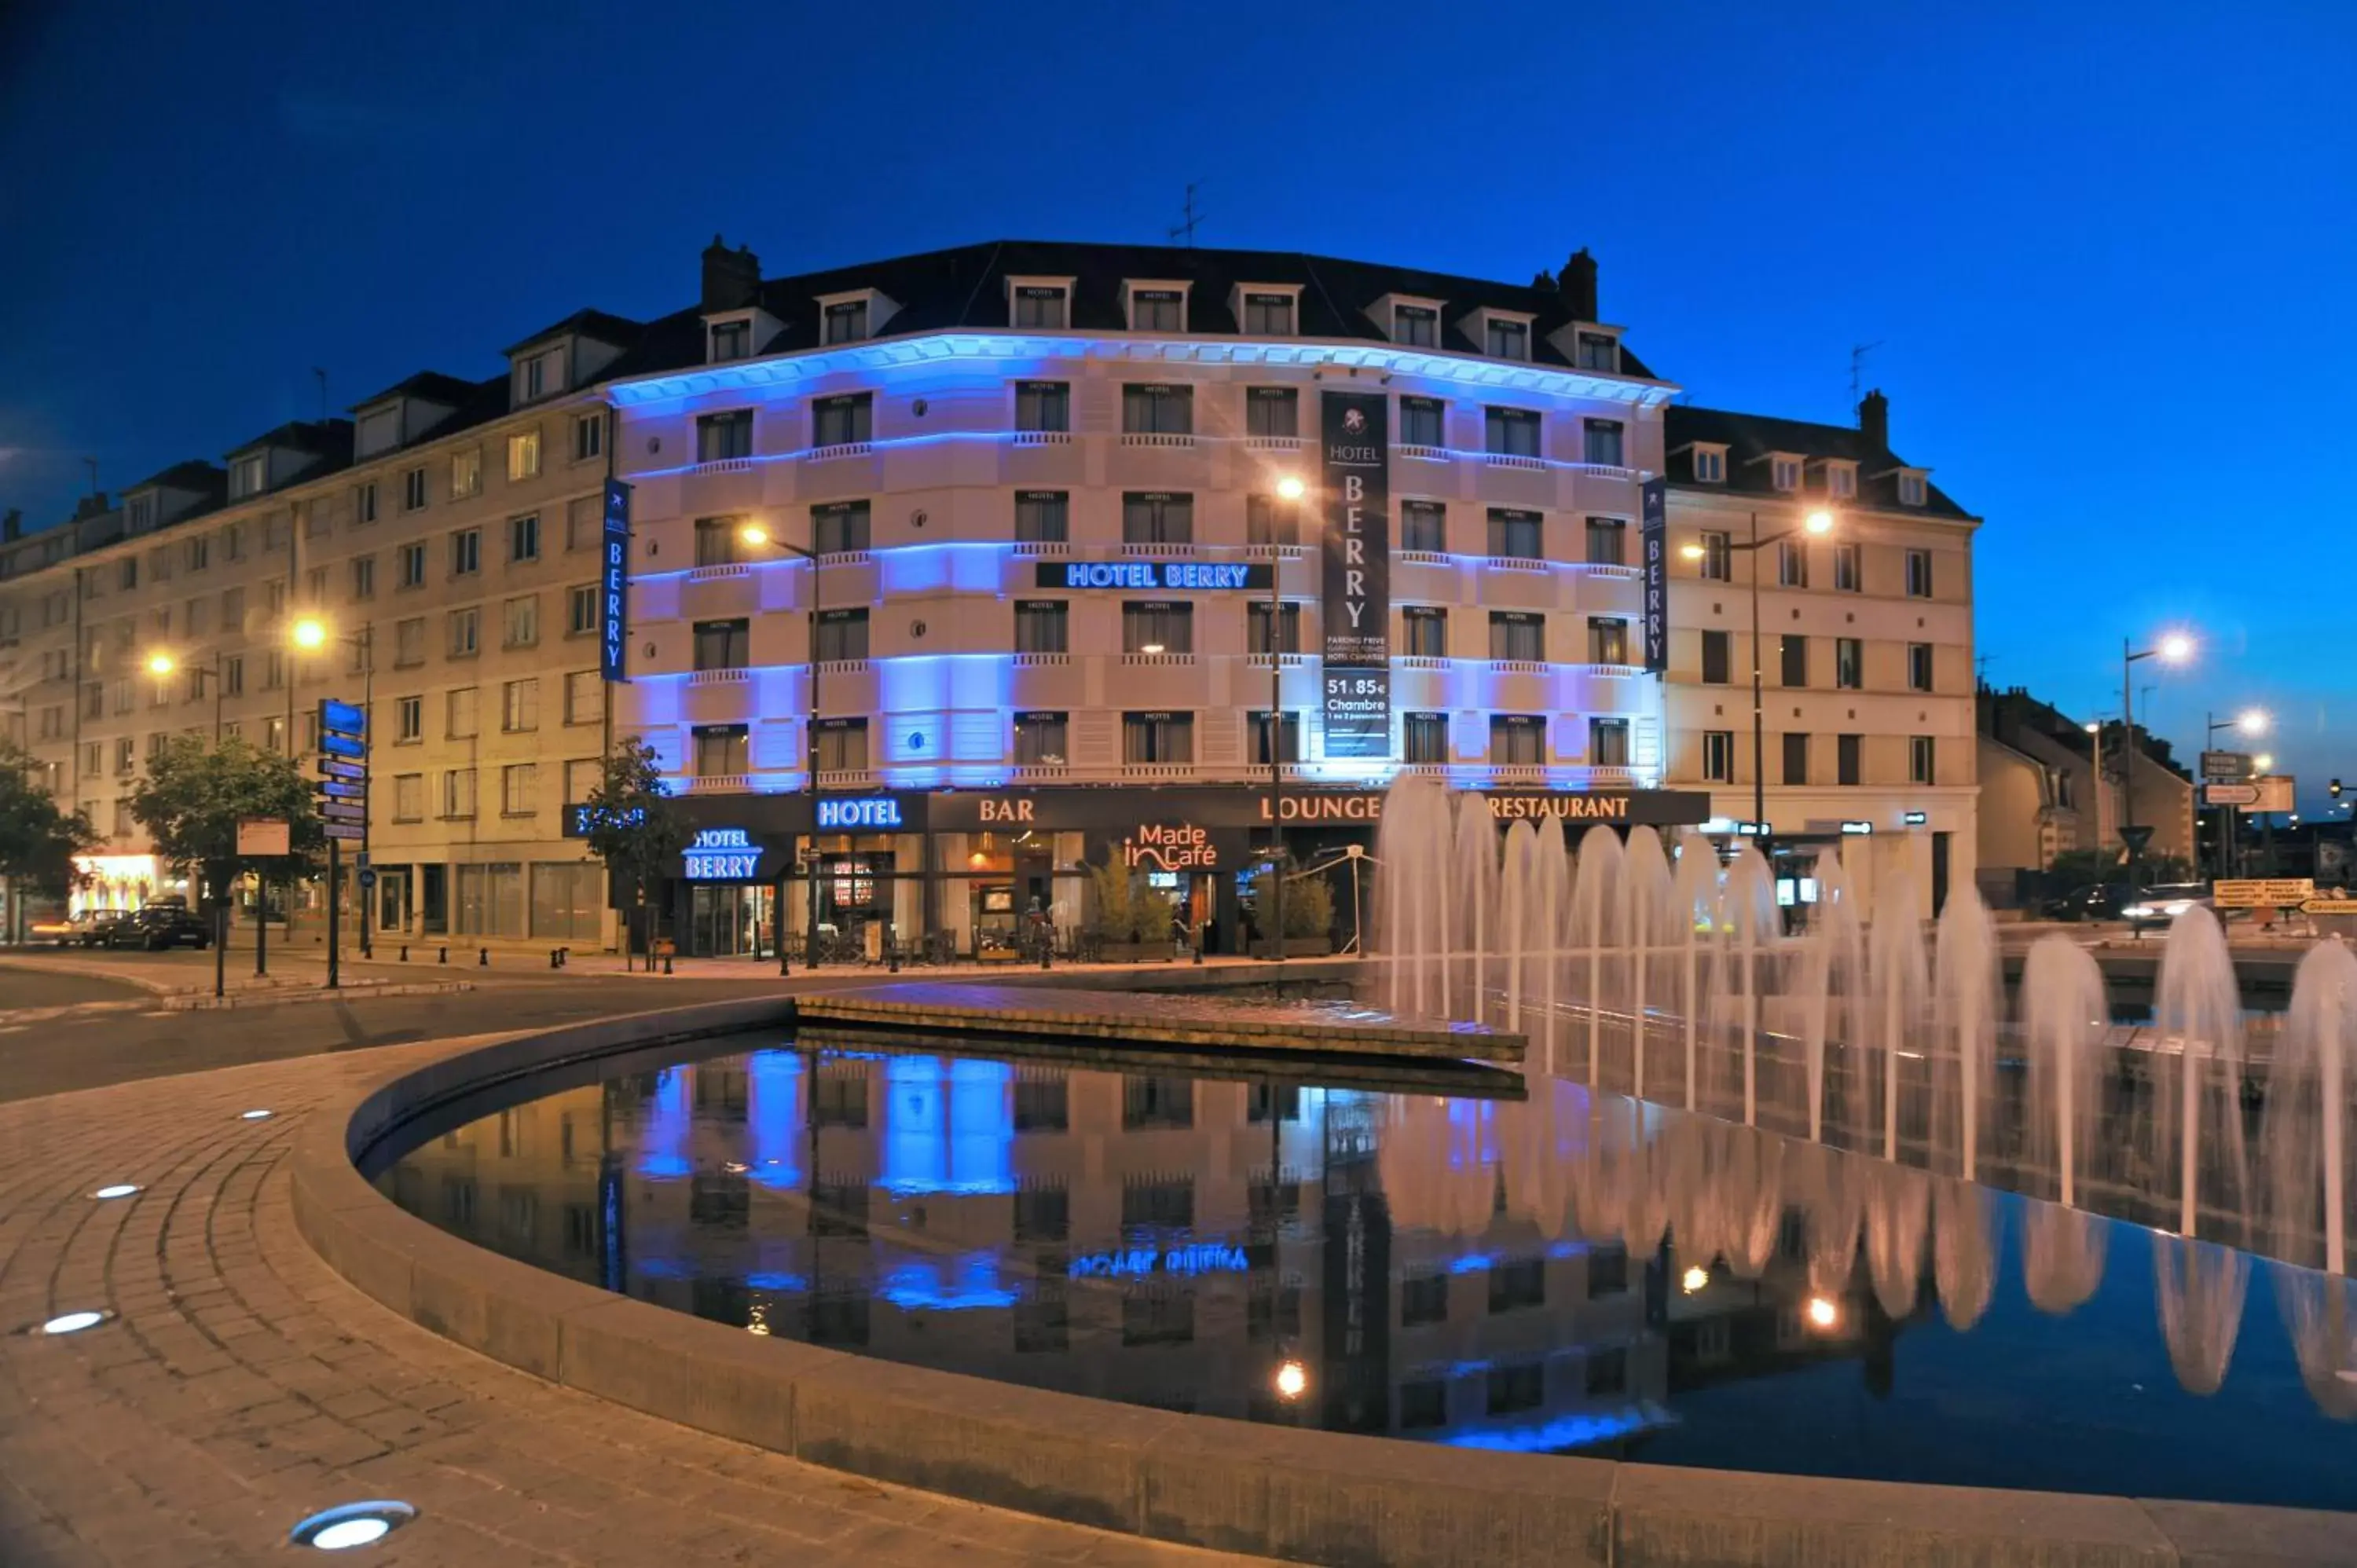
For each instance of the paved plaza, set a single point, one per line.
(245, 1386)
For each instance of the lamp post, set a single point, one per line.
(162, 665)
(754, 534)
(2249, 722)
(1817, 523)
(1289, 489)
(310, 633)
(2174, 648)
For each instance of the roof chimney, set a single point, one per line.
(732, 279)
(1874, 420)
(1577, 284)
(12, 527)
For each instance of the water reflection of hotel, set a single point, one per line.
(1159, 1239)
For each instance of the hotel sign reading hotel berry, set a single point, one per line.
(1356, 603)
(1654, 536)
(614, 581)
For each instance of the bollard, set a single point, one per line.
(482, 958)
(565, 958)
(442, 953)
(404, 953)
(1047, 946)
(553, 961)
(1199, 948)
(666, 963)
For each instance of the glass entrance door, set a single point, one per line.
(392, 901)
(726, 921)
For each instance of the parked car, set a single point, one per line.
(2099, 901)
(160, 926)
(2160, 905)
(97, 926)
(63, 929)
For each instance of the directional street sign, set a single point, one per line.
(348, 832)
(342, 717)
(337, 768)
(344, 811)
(2225, 766)
(342, 789)
(2230, 794)
(337, 744)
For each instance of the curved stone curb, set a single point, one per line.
(1311, 1496)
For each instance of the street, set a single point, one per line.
(55, 1055)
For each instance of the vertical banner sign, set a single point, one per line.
(1356, 604)
(1654, 541)
(614, 581)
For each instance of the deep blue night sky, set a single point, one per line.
(2106, 249)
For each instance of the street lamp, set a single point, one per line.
(2174, 648)
(757, 536)
(161, 665)
(1816, 524)
(1291, 488)
(2249, 722)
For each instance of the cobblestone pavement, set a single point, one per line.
(245, 1386)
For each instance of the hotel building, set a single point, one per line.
(945, 576)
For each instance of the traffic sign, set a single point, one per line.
(2136, 835)
(2225, 766)
(367, 877)
(348, 832)
(362, 860)
(2230, 794)
(2262, 892)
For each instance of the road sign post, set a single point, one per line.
(343, 804)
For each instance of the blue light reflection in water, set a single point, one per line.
(949, 1126)
(664, 1158)
(775, 1117)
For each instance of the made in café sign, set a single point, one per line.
(1172, 847)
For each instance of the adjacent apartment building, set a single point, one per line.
(939, 578)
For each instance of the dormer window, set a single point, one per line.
(1415, 326)
(1841, 479)
(731, 340)
(245, 477)
(541, 375)
(1912, 487)
(1784, 471)
(143, 513)
(846, 321)
(1268, 315)
(1158, 307)
(1042, 306)
(1709, 465)
(1598, 351)
(1507, 340)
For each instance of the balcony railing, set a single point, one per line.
(840, 449)
(1518, 562)
(1040, 772)
(1043, 438)
(1144, 659)
(1041, 661)
(840, 667)
(1151, 438)
(720, 677)
(1602, 470)
(1421, 557)
(845, 557)
(1158, 770)
(1518, 772)
(723, 465)
(1611, 773)
(1274, 444)
(1420, 662)
(846, 779)
(1276, 551)
(1607, 669)
(1176, 551)
(1509, 460)
(1055, 548)
(719, 783)
(1602, 569)
(1259, 659)
(1423, 453)
(723, 570)
(1519, 666)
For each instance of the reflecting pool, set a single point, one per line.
(1526, 1265)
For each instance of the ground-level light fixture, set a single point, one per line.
(1695, 1278)
(255, 1116)
(354, 1524)
(1292, 1381)
(1823, 1312)
(1291, 488)
(117, 1189)
(71, 1322)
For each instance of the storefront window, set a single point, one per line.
(567, 900)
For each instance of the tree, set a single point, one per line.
(635, 826)
(37, 841)
(194, 794)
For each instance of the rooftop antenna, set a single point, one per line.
(92, 464)
(323, 393)
(1184, 233)
(1857, 353)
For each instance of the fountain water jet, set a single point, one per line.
(2063, 1024)
(1966, 1002)
(2197, 1012)
(2305, 1132)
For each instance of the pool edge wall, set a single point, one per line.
(1306, 1495)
